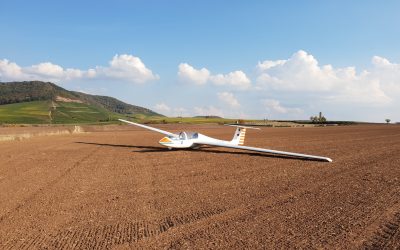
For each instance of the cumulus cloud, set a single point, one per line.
(269, 64)
(189, 74)
(10, 70)
(301, 73)
(236, 78)
(51, 72)
(274, 107)
(180, 111)
(208, 111)
(387, 74)
(229, 99)
(127, 67)
(162, 108)
(122, 67)
(46, 69)
(167, 110)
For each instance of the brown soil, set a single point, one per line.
(120, 189)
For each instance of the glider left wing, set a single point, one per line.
(227, 145)
(149, 128)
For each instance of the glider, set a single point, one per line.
(194, 140)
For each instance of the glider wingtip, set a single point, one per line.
(329, 159)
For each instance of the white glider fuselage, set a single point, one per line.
(189, 140)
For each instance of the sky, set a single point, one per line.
(237, 59)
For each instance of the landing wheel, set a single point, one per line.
(169, 148)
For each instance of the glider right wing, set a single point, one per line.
(150, 128)
(228, 145)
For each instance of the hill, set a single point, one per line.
(45, 102)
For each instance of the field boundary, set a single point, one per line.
(24, 136)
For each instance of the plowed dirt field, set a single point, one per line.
(121, 189)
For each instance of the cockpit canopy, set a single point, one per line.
(184, 135)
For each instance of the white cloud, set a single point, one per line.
(180, 111)
(236, 78)
(269, 64)
(274, 107)
(122, 67)
(46, 69)
(208, 111)
(301, 73)
(51, 72)
(229, 99)
(162, 107)
(167, 110)
(387, 74)
(91, 73)
(10, 71)
(189, 74)
(128, 68)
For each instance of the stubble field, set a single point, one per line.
(121, 189)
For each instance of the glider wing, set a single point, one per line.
(228, 145)
(149, 128)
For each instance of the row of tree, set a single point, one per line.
(321, 119)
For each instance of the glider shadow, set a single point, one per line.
(149, 149)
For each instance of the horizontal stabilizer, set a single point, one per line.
(240, 126)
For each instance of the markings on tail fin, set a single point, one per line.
(242, 136)
(238, 137)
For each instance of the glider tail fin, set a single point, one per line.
(238, 137)
(240, 133)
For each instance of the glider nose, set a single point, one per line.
(165, 140)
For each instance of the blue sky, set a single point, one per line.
(358, 39)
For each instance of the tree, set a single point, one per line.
(318, 119)
(314, 119)
(387, 121)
